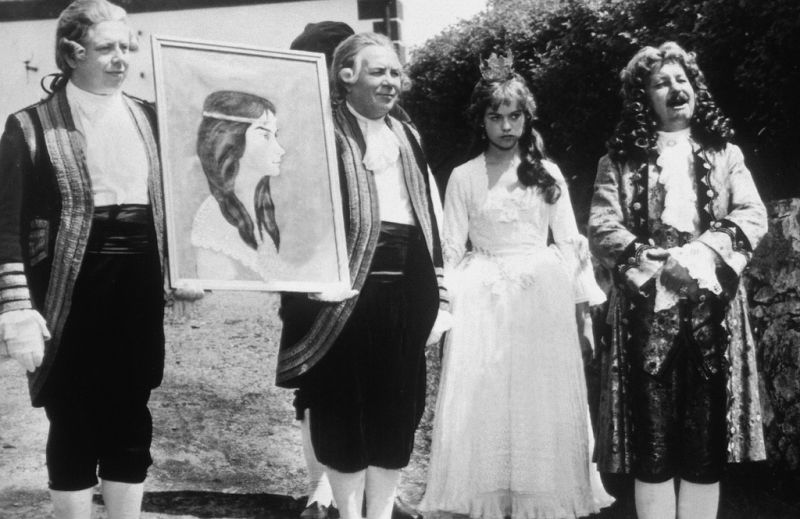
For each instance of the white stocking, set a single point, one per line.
(76, 504)
(697, 501)
(381, 488)
(123, 500)
(348, 491)
(655, 500)
(319, 489)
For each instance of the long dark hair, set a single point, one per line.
(220, 146)
(635, 135)
(493, 92)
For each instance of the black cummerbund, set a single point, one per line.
(121, 229)
(391, 254)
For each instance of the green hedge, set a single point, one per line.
(571, 55)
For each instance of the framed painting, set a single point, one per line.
(251, 186)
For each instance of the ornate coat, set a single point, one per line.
(46, 208)
(624, 215)
(311, 327)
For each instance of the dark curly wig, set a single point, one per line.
(634, 137)
(493, 92)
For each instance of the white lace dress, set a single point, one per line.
(510, 435)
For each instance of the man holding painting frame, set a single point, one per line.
(357, 355)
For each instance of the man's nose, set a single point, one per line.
(389, 79)
(119, 54)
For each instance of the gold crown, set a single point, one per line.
(497, 68)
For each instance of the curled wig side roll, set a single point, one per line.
(346, 69)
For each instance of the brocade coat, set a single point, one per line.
(46, 210)
(733, 220)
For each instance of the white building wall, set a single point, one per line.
(267, 25)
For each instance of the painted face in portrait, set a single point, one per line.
(504, 125)
(263, 153)
(671, 96)
(377, 88)
(102, 65)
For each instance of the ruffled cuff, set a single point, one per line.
(730, 244)
(575, 252)
(701, 263)
(586, 287)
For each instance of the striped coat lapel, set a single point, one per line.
(363, 229)
(65, 146)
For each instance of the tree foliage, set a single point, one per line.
(571, 54)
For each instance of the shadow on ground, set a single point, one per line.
(219, 504)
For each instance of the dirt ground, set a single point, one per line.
(225, 440)
(226, 444)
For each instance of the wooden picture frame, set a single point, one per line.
(251, 182)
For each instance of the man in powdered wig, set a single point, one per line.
(357, 354)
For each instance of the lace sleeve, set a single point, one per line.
(456, 220)
(573, 246)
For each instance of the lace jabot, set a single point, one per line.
(676, 162)
(383, 149)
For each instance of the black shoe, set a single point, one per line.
(403, 510)
(315, 511)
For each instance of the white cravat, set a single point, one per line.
(676, 160)
(680, 200)
(382, 158)
(115, 154)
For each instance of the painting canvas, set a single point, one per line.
(250, 172)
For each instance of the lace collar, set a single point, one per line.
(211, 231)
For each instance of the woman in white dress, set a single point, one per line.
(510, 436)
(234, 231)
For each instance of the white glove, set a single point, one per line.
(334, 294)
(444, 321)
(188, 290)
(23, 333)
